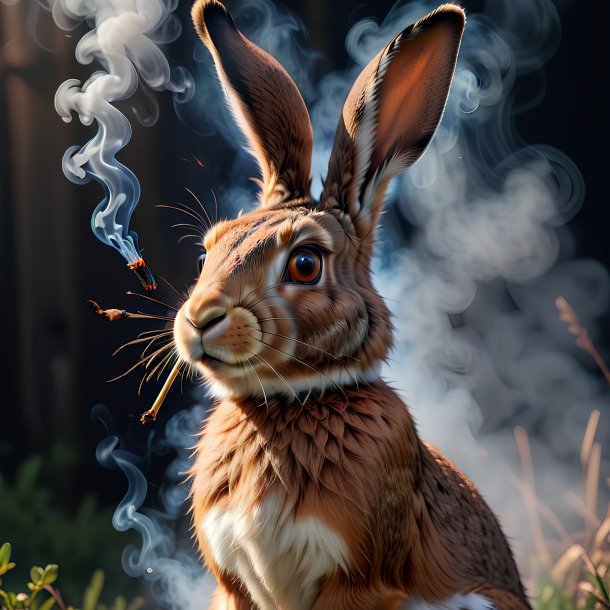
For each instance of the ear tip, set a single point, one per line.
(451, 12)
(205, 10)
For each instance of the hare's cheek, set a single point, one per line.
(187, 339)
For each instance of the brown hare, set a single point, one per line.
(311, 488)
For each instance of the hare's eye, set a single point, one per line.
(200, 262)
(305, 266)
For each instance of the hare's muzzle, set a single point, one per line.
(214, 336)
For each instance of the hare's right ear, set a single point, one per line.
(265, 102)
(390, 116)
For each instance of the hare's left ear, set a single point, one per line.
(265, 102)
(391, 114)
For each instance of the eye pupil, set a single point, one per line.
(305, 266)
(305, 263)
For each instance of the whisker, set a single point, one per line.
(141, 340)
(215, 205)
(304, 364)
(188, 190)
(159, 330)
(244, 300)
(132, 368)
(197, 238)
(161, 366)
(251, 306)
(181, 298)
(319, 349)
(151, 357)
(260, 382)
(280, 376)
(148, 298)
(157, 317)
(181, 225)
(185, 210)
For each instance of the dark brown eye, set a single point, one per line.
(305, 266)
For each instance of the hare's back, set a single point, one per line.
(466, 525)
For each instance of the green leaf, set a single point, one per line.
(6, 567)
(6, 600)
(49, 576)
(36, 574)
(93, 591)
(5, 553)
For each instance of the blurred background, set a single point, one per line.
(56, 358)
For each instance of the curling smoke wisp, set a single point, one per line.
(178, 579)
(123, 42)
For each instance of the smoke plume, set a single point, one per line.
(124, 42)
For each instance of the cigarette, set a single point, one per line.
(140, 268)
(112, 315)
(150, 416)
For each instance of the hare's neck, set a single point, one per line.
(302, 450)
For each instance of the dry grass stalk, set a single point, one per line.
(577, 560)
(583, 340)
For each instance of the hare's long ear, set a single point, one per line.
(391, 114)
(265, 102)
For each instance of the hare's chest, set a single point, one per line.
(278, 558)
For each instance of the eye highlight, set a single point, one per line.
(304, 266)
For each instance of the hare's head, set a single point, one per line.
(284, 302)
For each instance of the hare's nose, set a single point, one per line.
(206, 319)
(206, 305)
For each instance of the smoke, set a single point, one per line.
(491, 249)
(178, 579)
(124, 41)
(479, 345)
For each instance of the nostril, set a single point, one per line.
(208, 324)
(211, 323)
(202, 319)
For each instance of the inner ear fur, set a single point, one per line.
(391, 114)
(265, 103)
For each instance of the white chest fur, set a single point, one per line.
(279, 559)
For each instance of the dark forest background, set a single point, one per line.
(55, 356)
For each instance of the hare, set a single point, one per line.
(311, 489)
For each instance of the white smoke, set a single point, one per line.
(124, 42)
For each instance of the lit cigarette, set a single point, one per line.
(114, 314)
(140, 268)
(151, 415)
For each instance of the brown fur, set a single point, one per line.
(302, 416)
(409, 517)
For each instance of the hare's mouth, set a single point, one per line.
(212, 362)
